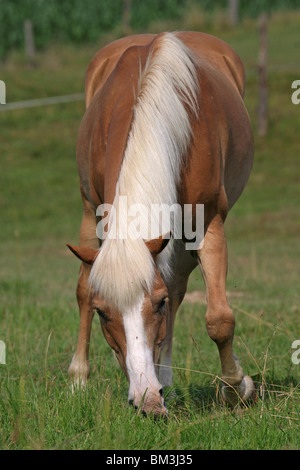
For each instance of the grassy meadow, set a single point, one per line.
(40, 211)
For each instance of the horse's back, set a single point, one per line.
(222, 150)
(105, 61)
(204, 47)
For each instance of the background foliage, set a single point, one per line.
(84, 22)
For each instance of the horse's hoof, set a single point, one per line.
(243, 394)
(250, 393)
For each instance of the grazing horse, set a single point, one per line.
(165, 124)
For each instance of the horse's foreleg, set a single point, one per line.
(79, 368)
(220, 320)
(182, 265)
(165, 373)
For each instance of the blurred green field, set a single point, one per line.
(40, 211)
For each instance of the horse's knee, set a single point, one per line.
(220, 324)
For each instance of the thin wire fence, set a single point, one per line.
(42, 102)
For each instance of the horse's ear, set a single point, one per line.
(157, 245)
(88, 255)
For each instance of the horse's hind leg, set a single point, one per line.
(220, 320)
(79, 368)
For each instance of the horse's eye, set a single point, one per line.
(102, 315)
(162, 304)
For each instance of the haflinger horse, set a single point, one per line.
(165, 124)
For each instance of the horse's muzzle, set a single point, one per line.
(151, 404)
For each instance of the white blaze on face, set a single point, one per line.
(139, 358)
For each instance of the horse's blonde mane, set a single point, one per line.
(157, 145)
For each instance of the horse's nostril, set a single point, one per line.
(161, 392)
(131, 403)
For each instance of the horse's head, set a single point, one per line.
(135, 332)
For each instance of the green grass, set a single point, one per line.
(41, 211)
